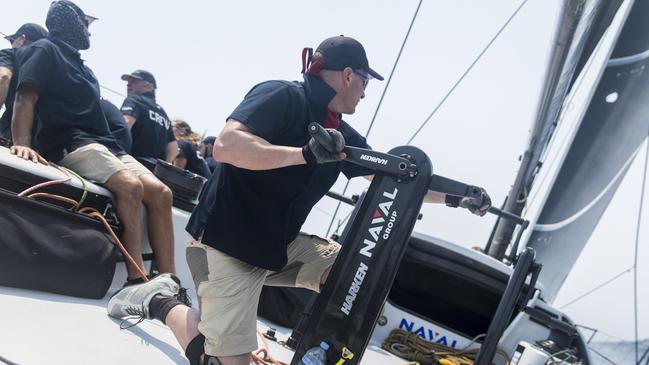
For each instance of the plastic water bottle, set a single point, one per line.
(316, 355)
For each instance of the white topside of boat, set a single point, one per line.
(39, 328)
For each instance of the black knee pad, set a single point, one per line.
(195, 350)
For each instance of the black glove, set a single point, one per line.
(316, 153)
(479, 205)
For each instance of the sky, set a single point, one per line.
(207, 55)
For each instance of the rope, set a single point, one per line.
(46, 183)
(97, 215)
(467, 71)
(94, 213)
(83, 185)
(63, 199)
(411, 347)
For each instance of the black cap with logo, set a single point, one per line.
(141, 75)
(340, 52)
(31, 31)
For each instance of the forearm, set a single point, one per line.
(23, 118)
(246, 150)
(5, 81)
(172, 151)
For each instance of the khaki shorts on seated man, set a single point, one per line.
(54, 83)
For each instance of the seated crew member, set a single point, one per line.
(25, 35)
(151, 130)
(117, 125)
(188, 157)
(54, 82)
(206, 148)
(269, 164)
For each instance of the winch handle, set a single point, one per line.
(320, 134)
(507, 215)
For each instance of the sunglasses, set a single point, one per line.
(364, 77)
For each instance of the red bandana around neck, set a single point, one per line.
(313, 69)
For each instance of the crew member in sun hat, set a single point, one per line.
(246, 228)
(153, 136)
(25, 35)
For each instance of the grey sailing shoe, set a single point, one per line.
(134, 300)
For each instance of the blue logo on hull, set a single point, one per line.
(426, 333)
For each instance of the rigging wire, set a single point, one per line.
(113, 91)
(376, 111)
(635, 259)
(467, 71)
(601, 355)
(596, 288)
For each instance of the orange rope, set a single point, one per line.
(54, 197)
(96, 214)
(88, 211)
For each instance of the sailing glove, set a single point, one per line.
(316, 153)
(478, 205)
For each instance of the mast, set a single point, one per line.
(581, 23)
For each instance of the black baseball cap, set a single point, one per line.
(340, 52)
(141, 75)
(32, 31)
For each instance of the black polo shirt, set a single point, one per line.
(7, 61)
(253, 215)
(152, 129)
(211, 163)
(68, 98)
(195, 162)
(117, 125)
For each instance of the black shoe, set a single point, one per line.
(183, 297)
(135, 281)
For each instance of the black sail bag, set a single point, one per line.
(48, 248)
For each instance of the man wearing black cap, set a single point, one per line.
(54, 83)
(246, 228)
(25, 35)
(206, 147)
(153, 137)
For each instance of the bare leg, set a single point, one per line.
(158, 199)
(128, 192)
(183, 322)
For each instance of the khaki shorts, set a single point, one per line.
(229, 289)
(95, 162)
